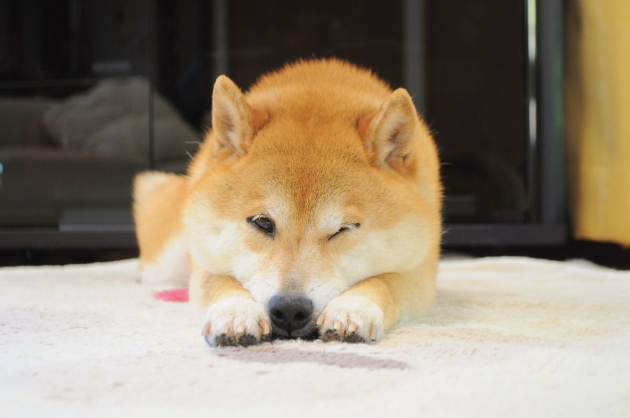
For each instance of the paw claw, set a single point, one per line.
(373, 332)
(265, 326)
(352, 326)
(337, 325)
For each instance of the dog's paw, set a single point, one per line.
(351, 318)
(236, 321)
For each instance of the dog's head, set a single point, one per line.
(306, 195)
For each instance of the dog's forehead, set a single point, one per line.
(303, 183)
(323, 215)
(332, 215)
(278, 207)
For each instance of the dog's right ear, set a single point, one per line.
(234, 121)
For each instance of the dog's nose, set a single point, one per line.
(290, 313)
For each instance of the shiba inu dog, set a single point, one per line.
(313, 207)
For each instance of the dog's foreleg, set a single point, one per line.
(367, 310)
(232, 315)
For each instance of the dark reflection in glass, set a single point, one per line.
(473, 90)
(75, 79)
(74, 113)
(476, 106)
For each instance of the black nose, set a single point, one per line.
(290, 313)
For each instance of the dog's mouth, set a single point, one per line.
(310, 332)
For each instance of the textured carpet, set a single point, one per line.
(507, 337)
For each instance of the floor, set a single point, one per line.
(507, 336)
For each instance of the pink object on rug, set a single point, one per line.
(172, 295)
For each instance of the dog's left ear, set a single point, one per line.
(390, 135)
(234, 121)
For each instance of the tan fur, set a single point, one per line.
(314, 146)
(158, 203)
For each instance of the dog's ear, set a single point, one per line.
(390, 134)
(234, 121)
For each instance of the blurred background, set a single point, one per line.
(94, 91)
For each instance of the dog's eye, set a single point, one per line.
(344, 229)
(264, 224)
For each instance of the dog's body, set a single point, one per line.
(313, 205)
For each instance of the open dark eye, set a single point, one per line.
(264, 224)
(343, 229)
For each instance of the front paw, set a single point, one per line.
(236, 321)
(351, 318)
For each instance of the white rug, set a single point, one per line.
(508, 337)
